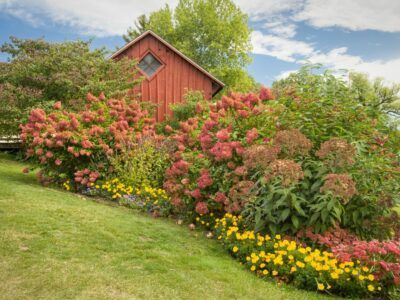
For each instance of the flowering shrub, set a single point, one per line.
(285, 260)
(351, 136)
(223, 163)
(77, 146)
(241, 155)
(207, 174)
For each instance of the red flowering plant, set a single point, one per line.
(208, 174)
(76, 146)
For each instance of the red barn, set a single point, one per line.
(168, 73)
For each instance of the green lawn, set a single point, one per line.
(57, 245)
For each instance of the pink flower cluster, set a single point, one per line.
(213, 139)
(205, 179)
(65, 142)
(225, 147)
(86, 177)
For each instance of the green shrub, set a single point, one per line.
(144, 163)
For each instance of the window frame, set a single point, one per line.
(149, 78)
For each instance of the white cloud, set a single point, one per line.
(382, 15)
(281, 28)
(338, 59)
(279, 47)
(92, 17)
(109, 18)
(264, 9)
(285, 74)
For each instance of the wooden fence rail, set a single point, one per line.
(10, 142)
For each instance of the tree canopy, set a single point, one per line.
(39, 73)
(214, 33)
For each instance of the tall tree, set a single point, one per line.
(214, 33)
(140, 26)
(375, 93)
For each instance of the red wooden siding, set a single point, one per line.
(172, 80)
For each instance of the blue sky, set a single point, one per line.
(360, 35)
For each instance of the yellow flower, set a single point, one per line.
(253, 268)
(293, 269)
(371, 288)
(321, 287)
(265, 272)
(300, 264)
(262, 265)
(235, 249)
(371, 277)
(361, 277)
(334, 275)
(365, 269)
(274, 273)
(278, 237)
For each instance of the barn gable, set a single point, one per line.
(168, 73)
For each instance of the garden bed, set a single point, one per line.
(56, 245)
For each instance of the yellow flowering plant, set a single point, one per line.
(290, 261)
(152, 200)
(144, 197)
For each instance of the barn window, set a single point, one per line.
(149, 64)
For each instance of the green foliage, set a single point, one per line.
(375, 94)
(214, 33)
(324, 106)
(183, 111)
(276, 209)
(40, 73)
(187, 109)
(143, 164)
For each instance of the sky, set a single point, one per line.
(354, 35)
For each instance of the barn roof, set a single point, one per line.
(168, 45)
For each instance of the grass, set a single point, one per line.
(57, 245)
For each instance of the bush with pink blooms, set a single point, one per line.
(77, 146)
(241, 155)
